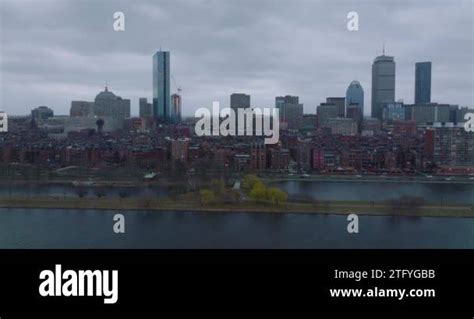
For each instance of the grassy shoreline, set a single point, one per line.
(181, 204)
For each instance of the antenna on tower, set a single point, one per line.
(383, 49)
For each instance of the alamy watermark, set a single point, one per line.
(353, 226)
(3, 122)
(79, 283)
(353, 21)
(247, 122)
(119, 21)
(119, 225)
(469, 124)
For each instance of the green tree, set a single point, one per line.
(258, 191)
(207, 196)
(249, 182)
(276, 195)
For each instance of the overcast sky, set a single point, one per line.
(53, 52)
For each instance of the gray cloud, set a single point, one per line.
(55, 51)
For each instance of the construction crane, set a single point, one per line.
(178, 88)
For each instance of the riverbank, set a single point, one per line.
(182, 204)
(274, 178)
(96, 183)
(373, 179)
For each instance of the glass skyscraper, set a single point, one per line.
(383, 83)
(422, 82)
(355, 101)
(355, 95)
(161, 86)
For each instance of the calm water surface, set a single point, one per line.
(59, 228)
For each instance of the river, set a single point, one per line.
(69, 228)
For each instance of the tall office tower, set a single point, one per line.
(290, 110)
(422, 82)
(355, 96)
(279, 101)
(383, 83)
(292, 114)
(176, 108)
(239, 101)
(145, 108)
(161, 86)
(340, 103)
(326, 111)
(287, 99)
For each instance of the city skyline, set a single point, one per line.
(256, 71)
